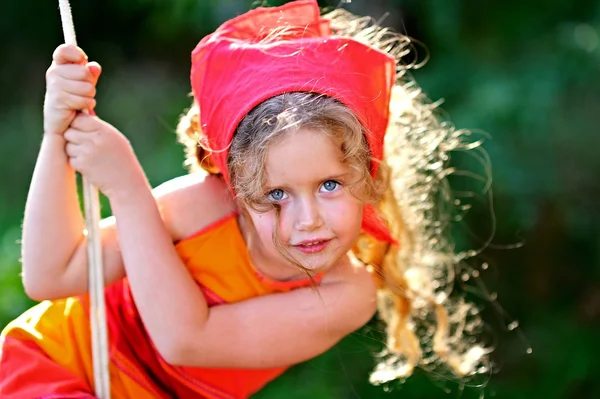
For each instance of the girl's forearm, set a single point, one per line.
(281, 329)
(52, 225)
(165, 294)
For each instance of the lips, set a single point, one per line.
(312, 246)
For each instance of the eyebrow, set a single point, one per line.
(337, 176)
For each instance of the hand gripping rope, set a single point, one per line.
(94, 250)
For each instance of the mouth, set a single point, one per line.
(312, 246)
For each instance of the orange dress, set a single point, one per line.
(46, 352)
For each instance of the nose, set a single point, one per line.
(308, 215)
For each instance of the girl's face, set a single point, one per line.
(319, 220)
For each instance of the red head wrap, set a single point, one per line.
(235, 69)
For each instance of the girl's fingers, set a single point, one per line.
(73, 137)
(68, 54)
(84, 123)
(78, 88)
(75, 102)
(73, 72)
(72, 149)
(95, 69)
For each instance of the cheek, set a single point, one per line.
(344, 217)
(264, 224)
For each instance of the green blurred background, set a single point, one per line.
(524, 71)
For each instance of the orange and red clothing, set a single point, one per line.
(46, 352)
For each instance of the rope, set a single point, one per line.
(94, 249)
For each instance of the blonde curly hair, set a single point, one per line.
(426, 325)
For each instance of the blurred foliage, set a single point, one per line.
(524, 71)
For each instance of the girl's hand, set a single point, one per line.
(70, 87)
(104, 157)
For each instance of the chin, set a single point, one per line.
(318, 262)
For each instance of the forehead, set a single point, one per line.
(303, 156)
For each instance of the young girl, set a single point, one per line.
(304, 225)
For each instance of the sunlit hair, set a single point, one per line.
(426, 325)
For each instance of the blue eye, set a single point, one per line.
(277, 195)
(330, 186)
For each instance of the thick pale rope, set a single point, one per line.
(95, 270)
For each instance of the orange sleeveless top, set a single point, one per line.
(46, 352)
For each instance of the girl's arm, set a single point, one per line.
(54, 247)
(280, 329)
(269, 331)
(53, 225)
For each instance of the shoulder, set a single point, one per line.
(192, 202)
(350, 293)
(349, 270)
(351, 277)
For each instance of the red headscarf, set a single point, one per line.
(236, 68)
